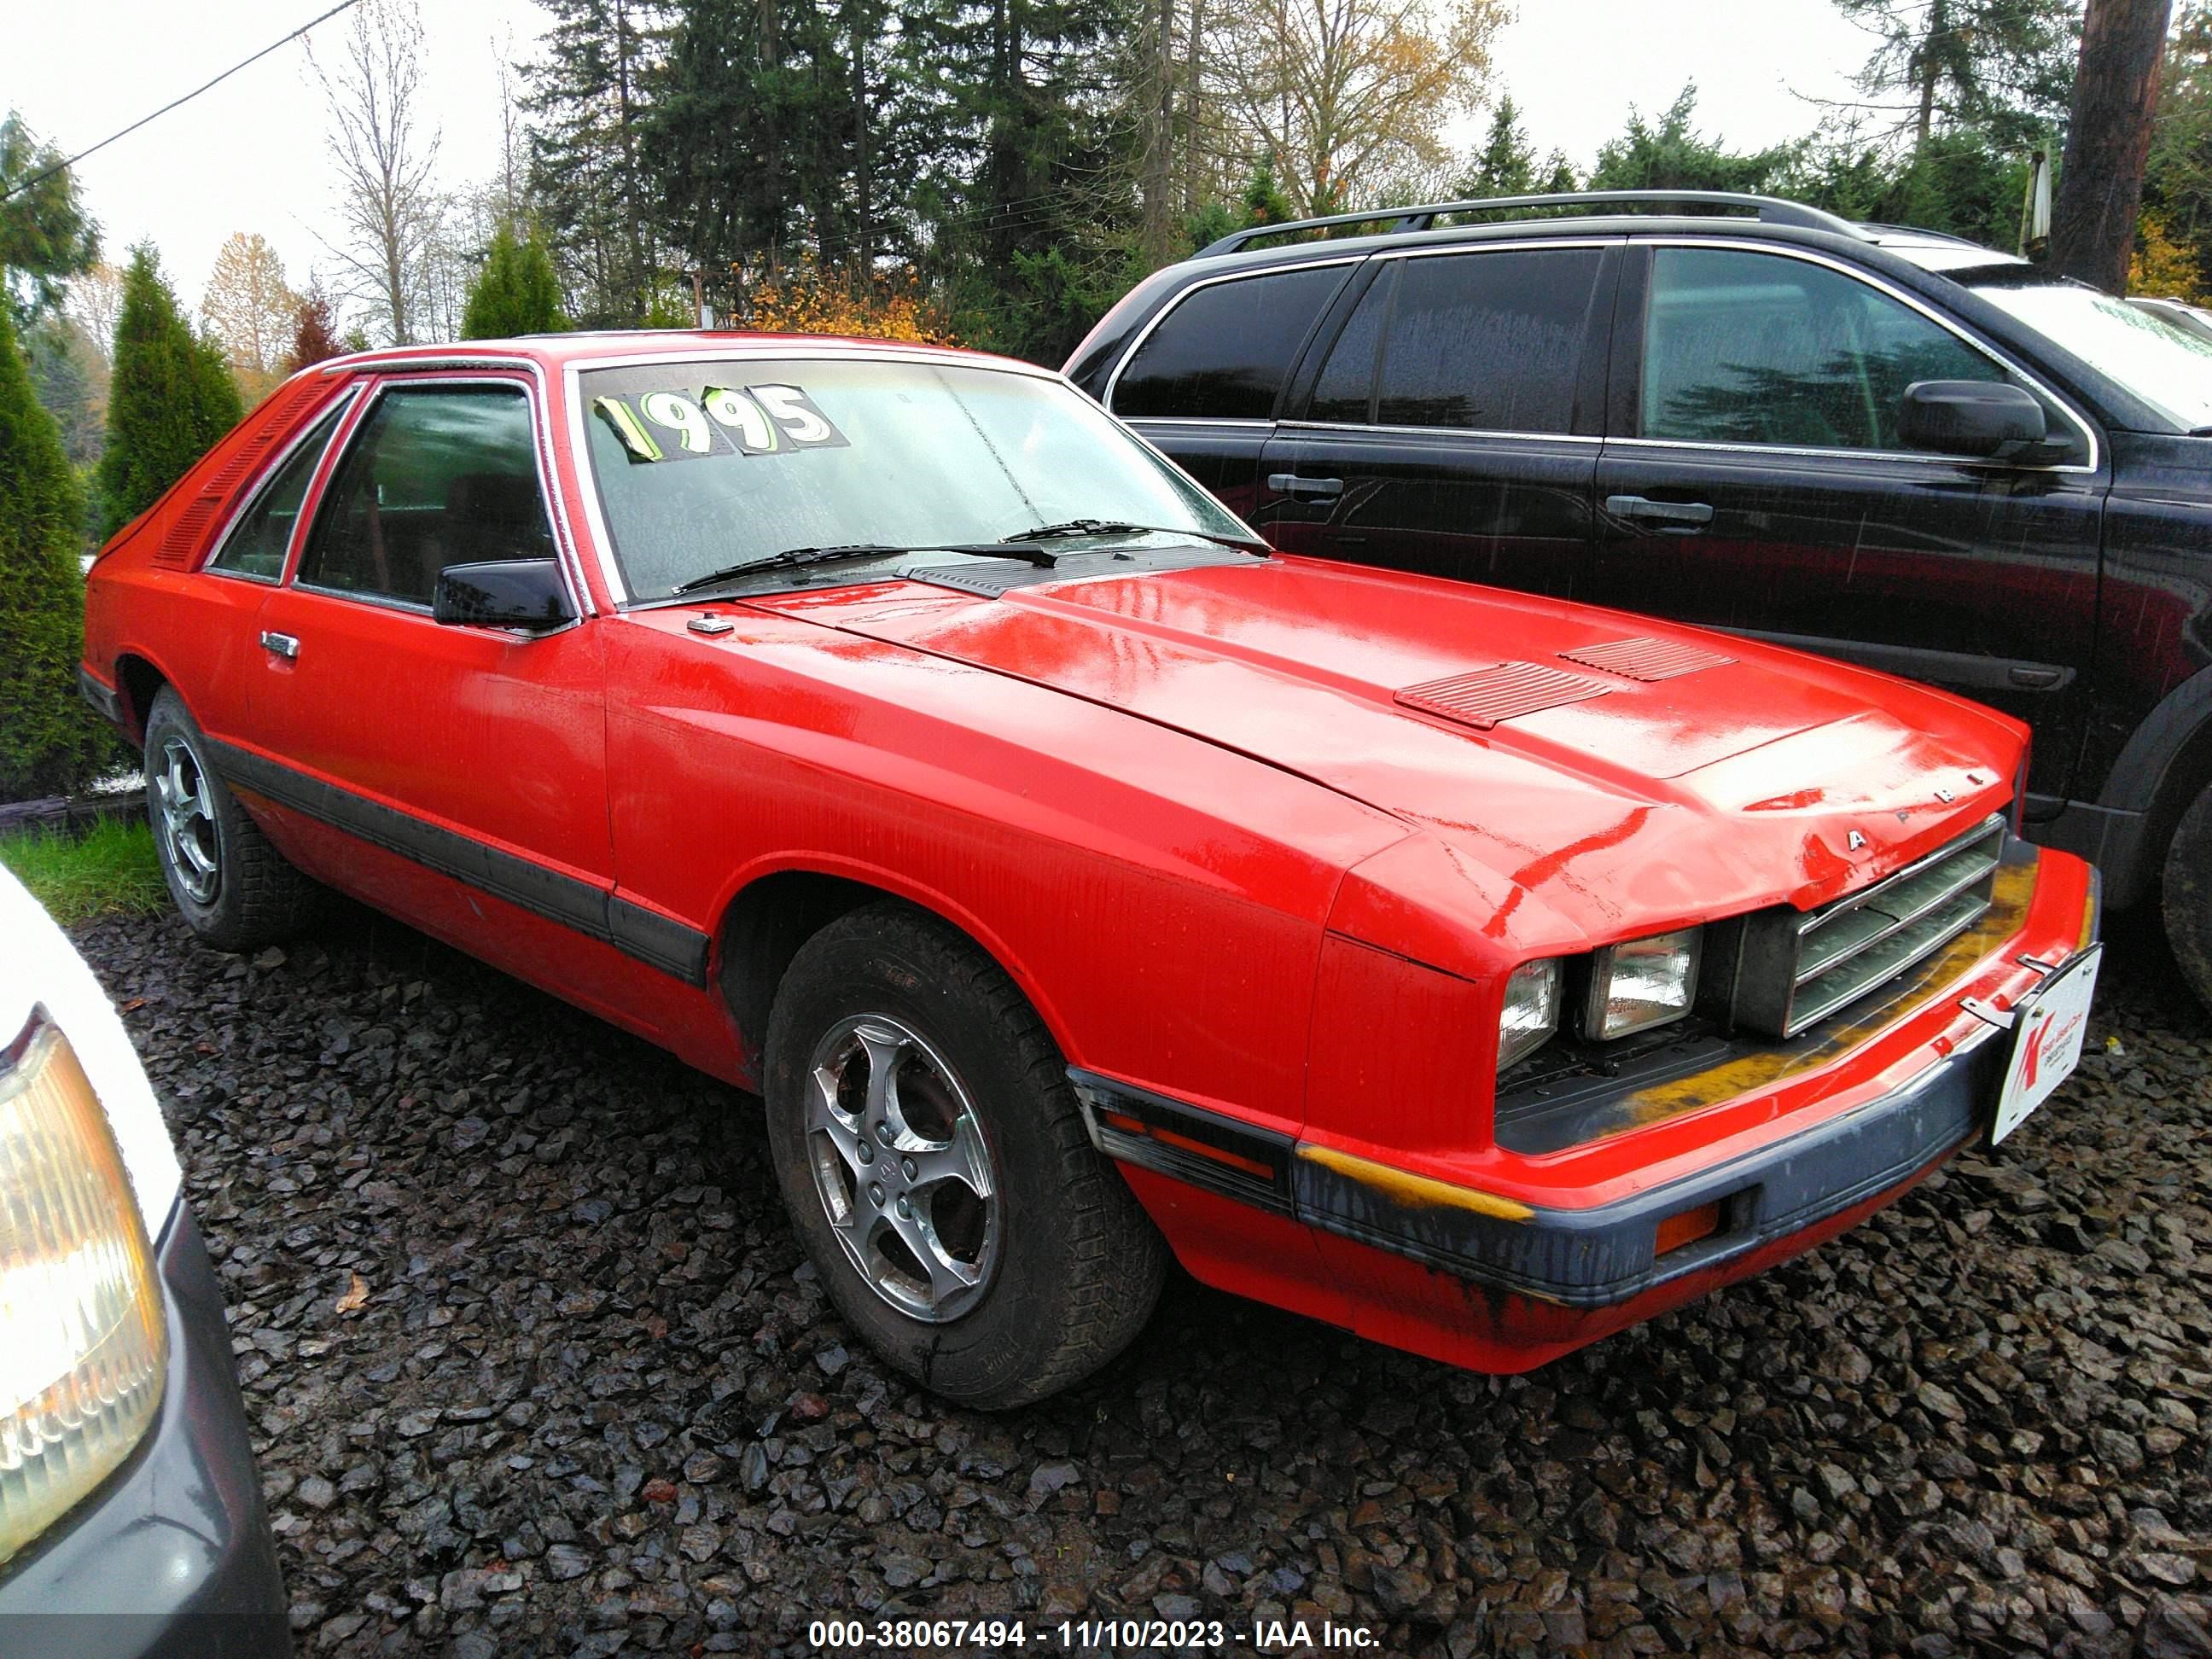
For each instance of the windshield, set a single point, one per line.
(702, 464)
(2165, 367)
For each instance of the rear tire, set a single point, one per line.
(233, 888)
(2188, 895)
(936, 1165)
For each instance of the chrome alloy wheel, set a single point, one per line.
(903, 1167)
(188, 824)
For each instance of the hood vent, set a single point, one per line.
(1483, 696)
(1647, 658)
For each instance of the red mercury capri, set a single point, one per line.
(889, 731)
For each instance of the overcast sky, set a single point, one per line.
(249, 155)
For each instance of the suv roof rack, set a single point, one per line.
(1878, 228)
(1771, 210)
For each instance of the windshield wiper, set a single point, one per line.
(1116, 528)
(792, 557)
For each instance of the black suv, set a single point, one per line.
(1883, 444)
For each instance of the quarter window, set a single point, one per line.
(1750, 347)
(1222, 353)
(1486, 341)
(437, 475)
(258, 543)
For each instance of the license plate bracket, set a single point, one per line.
(2050, 1027)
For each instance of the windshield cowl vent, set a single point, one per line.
(1483, 696)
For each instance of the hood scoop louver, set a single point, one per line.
(1483, 696)
(1647, 658)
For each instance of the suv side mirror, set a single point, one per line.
(1987, 420)
(526, 594)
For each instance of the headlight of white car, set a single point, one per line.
(1642, 983)
(1531, 1010)
(83, 1336)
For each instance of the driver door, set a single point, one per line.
(1753, 480)
(476, 756)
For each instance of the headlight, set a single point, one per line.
(1642, 983)
(1531, 1010)
(83, 1339)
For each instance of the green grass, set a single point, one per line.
(109, 871)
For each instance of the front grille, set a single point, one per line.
(1794, 968)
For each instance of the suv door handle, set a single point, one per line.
(1289, 483)
(282, 645)
(1638, 507)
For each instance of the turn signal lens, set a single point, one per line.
(1687, 1227)
(1531, 1010)
(83, 1340)
(1642, 983)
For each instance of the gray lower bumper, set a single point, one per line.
(172, 1556)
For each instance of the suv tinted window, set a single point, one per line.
(1750, 347)
(1221, 353)
(1487, 341)
(436, 476)
(258, 543)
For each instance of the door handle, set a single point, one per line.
(1675, 512)
(282, 645)
(1289, 483)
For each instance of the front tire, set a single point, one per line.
(2187, 896)
(233, 889)
(934, 1161)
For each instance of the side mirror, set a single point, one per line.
(1986, 420)
(503, 594)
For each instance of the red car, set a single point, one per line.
(889, 731)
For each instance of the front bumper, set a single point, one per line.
(172, 1556)
(1502, 1261)
(1608, 1255)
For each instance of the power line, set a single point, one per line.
(64, 167)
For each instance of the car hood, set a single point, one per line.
(1691, 773)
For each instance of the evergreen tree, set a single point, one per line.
(590, 171)
(515, 292)
(2005, 67)
(1264, 201)
(1031, 194)
(171, 396)
(47, 741)
(1505, 165)
(46, 237)
(1671, 157)
(797, 131)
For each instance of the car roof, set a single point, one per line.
(590, 348)
(1608, 213)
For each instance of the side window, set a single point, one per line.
(1749, 348)
(435, 475)
(1222, 352)
(1345, 391)
(258, 543)
(1487, 341)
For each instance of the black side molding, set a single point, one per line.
(655, 939)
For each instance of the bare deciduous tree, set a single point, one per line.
(251, 311)
(384, 155)
(94, 301)
(1339, 94)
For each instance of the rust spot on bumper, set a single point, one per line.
(1413, 1191)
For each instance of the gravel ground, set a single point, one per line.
(534, 1366)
